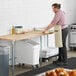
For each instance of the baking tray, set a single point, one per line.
(43, 74)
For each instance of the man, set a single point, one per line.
(59, 19)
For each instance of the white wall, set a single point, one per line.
(71, 11)
(29, 13)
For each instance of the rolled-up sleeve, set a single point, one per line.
(56, 19)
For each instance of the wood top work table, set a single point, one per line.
(27, 35)
(17, 37)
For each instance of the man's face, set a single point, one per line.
(54, 9)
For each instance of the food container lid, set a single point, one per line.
(18, 26)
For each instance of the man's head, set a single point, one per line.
(56, 7)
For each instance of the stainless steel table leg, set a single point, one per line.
(47, 40)
(40, 48)
(13, 57)
(40, 42)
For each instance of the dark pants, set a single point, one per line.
(63, 50)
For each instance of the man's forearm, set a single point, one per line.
(49, 26)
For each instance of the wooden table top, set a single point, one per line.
(28, 35)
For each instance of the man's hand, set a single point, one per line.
(48, 32)
(45, 31)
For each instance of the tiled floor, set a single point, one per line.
(19, 70)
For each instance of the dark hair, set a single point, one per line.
(56, 5)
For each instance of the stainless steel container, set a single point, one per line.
(4, 61)
(18, 29)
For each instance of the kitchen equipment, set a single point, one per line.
(13, 30)
(39, 28)
(72, 35)
(59, 70)
(27, 52)
(49, 52)
(4, 61)
(18, 29)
